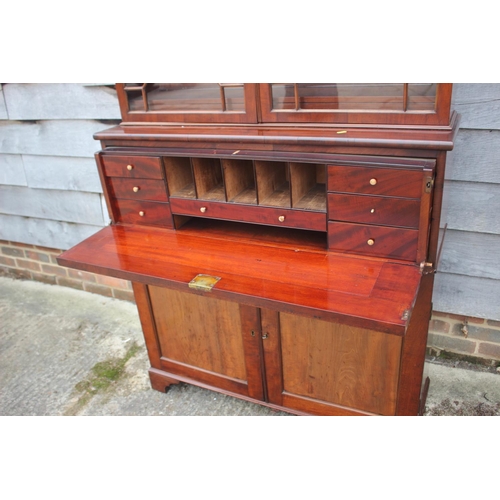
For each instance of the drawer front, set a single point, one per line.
(138, 189)
(147, 167)
(254, 214)
(143, 212)
(377, 241)
(374, 210)
(377, 181)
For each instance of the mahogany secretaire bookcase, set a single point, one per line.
(281, 238)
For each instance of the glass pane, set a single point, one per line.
(421, 96)
(187, 97)
(339, 96)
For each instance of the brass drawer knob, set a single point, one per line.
(371, 242)
(373, 182)
(281, 218)
(135, 189)
(130, 167)
(203, 210)
(141, 213)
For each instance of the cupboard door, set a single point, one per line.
(208, 340)
(329, 369)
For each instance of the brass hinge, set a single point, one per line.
(427, 267)
(203, 282)
(429, 184)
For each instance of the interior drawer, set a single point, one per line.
(142, 212)
(285, 217)
(148, 167)
(378, 181)
(380, 210)
(138, 189)
(378, 241)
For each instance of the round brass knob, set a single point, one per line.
(130, 167)
(141, 213)
(281, 218)
(372, 211)
(203, 210)
(371, 242)
(373, 182)
(135, 189)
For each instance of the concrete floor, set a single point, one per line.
(54, 339)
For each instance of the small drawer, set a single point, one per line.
(254, 214)
(374, 210)
(138, 189)
(147, 167)
(142, 212)
(378, 241)
(378, 181)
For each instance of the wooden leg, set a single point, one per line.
(160, 382)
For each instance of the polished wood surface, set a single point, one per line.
(314, 282)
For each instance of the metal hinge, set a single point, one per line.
(427, 267)
(429, 184)
(203, 282)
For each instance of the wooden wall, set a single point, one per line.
(50, 193)
(468, 278)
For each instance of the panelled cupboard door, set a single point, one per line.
(329, 369)
(201, 338)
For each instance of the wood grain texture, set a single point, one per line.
(317, 282)
(301, 219)
(322, 361)
(375, 181)
(214, 326)
(374, 210)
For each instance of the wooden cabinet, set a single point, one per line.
(281, 246)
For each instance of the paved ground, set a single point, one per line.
(67, 352)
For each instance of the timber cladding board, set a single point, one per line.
(478, 103)
(12, 170)
(60, 101)
(51, 137)
(61, 172)
(3, 108)
(467, 295)
(44, 232)
(68, 206)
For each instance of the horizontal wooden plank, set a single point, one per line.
(44, 232)
(467, 295)
(478, 103)
(475, 157)
(12, 170)
(471, 254)
(3, 108)
(469, 206)
(62, 172)
(53, 137)
(68, 206)
(51, 101)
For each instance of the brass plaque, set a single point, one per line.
(203, 282)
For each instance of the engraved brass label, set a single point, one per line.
(203, 282)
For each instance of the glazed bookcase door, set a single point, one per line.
(348, 103)
(188, 102)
